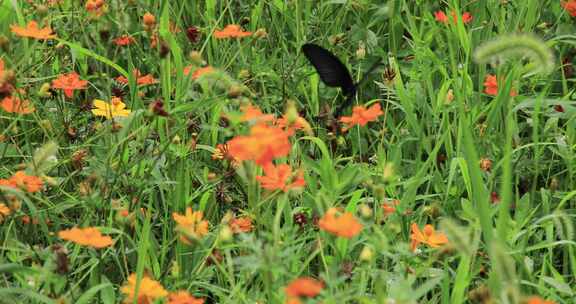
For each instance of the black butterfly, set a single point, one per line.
(333, 72)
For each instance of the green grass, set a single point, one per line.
(424, 151)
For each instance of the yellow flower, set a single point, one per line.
(190, 225)
(116, 108)
(148, 292)
(4, 211)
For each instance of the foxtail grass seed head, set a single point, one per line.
(367, 254)
(196, 58)
(509, 46)
(44, 91)
(244, 74)
(225, 234)
(42, 9)
(365, 211)
(361, 52)
(4, 43)
(261, 34)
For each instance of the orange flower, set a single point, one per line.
(427, 236)
(149, 21)
(570, 6)
(190, 225)
(361, 116)
(491, 86)
(29, 183)
(96, 7)
(222, 152)
(294, 124)
(264, 144)
(23, 181)
(89, 236)
(69, 83)
(148, 292)
(198, 71)
(7, 183)
(32, 31)
(140, 80)
(280, 178)
(390, 207)
(241, 224)
(304, 287)
(537, 300)
(442, 18)
(345, 225)
(231, 31)
(293, 300)
(13, 104)
(124, 40)
(4, 211)
(183, 297)
(254, 114)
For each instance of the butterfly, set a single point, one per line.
(334, 73)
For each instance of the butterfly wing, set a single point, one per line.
(331, 70)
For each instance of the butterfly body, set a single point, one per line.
(333, 72)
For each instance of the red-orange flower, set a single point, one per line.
(254, 114)
(124, 40)
(241, 224)
(21, 180)
(427, 236)
(69, 83)
(13, 104)
(231, 31)
(390, 207)
(345, 225)
(89, 236)
(304, 287)
(262, 145)
(280, 178)
(33, 31)
(149, 21)
(96, 7)
(222, 152)
(441, 17)
(140, 80)
(183, 297)
(491, 86)
(570, 7)
(198, 71)
(361, 116)
(466, 17)
(538, 300)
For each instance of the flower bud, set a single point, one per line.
(225, 234)
(366, 254)
(149, 21)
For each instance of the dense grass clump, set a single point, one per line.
(187, 152)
